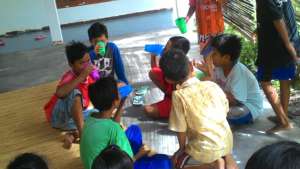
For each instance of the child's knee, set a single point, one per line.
(149, 108)
(151, 75)
(151, 111)
(121, 84)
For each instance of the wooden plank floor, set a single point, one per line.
(24, 129)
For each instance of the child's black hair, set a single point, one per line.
(279, 155)
(173, 39)
(103, 92)
(183, 44)
(75, 51)
(175, 65)
(96, 30)
(112, 158)
(228, 44)
(28, 161)
(180, 42)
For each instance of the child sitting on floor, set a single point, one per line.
(103, 128)
(283, 154)
(68, 106)
(28, 161)
(111, 62)
(162, 108)
(112, 157)
(198, 115)
(236, 80)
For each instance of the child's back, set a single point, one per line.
(98, 134)
(198, 116)
(200, 109)
(101, 129)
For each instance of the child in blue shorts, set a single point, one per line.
(236, 80)
(276, 55)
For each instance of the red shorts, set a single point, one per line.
(164, 106)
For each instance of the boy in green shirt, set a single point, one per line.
(102, 128)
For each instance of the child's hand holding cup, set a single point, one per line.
(100, 48)
(91, 70)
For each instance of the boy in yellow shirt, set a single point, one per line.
(198, 115)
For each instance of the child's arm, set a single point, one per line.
(118, 115)
(191, 11)
(231, 99)
(143, 151)
(65, 89)
(154, 61)
(181, 136)
(207, 67)
(281, 29)
(118, 64)
(77, 114)
(156, 81)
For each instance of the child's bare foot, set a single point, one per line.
(220, 164)
(230, 162)
(273, 119)
(278, 128)
(70, 138)
(68, 141)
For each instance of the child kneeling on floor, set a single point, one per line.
(198, 115)
(68, 107)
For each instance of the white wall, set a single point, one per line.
(19, 15)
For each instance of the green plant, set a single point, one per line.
(249, 54)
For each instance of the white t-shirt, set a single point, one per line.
(242, 84)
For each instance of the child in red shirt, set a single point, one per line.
(162, 109)
(68, 106)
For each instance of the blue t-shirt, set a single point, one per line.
(110, 63)
(242, 84)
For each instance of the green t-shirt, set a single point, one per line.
(97, 135)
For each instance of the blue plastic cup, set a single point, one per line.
(154, 48)
(125, 91)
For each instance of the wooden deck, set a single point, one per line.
(24, 129)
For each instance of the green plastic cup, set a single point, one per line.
(102, 48)
(199, 74)
(181, 24)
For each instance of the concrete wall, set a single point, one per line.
(19, 15)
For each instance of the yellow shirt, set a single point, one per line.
(199, 108)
